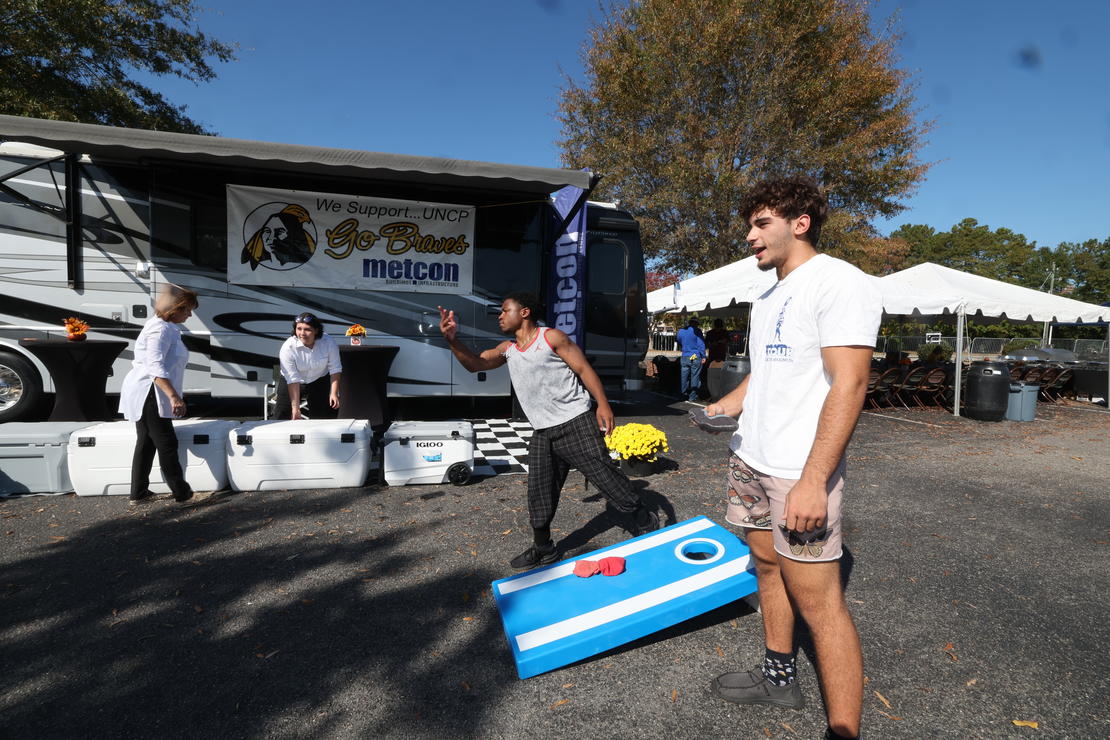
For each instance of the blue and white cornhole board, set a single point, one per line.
(553, 617)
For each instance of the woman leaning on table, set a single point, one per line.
(151, 393)
(310, 369)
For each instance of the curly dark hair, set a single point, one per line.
(789, 198)
(529, 300)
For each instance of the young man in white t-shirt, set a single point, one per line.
(812, 337)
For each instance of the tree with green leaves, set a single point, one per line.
(1081, 271)
(1086, 270)
(687, 103)
(1000, 254)
(76, 60)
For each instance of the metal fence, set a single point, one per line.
(662, 342)
(1089, 349)
(992, 345)
(908, 344)
(1084, 349)
(666, 343)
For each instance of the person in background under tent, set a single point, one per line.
(692, 346)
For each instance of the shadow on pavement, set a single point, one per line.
(143, 625)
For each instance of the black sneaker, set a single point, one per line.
(644, 520)
(183, 497)
(751, 687)
(141, 497)
(638, 522)
(535, 556)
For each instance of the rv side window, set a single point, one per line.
(509, 249)
(190, 222)
(210, 240)
(606, 260)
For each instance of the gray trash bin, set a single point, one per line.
(1022, 404)
(734, 371)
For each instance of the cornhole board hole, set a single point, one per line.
(553, 617)
(297, 455)
(99, 458)
(416, 452)
(33, 456)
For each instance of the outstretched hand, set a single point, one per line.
(448, 325)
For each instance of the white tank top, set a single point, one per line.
(548, 390)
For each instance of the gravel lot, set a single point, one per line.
(977, 571)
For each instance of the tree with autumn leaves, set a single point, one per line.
(688, 103)
(76, 60)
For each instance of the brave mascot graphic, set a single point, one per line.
(285, 238)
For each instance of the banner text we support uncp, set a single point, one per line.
(324, 240)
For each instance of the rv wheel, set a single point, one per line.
(20, 387)
(458, 474)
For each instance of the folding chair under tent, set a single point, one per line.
(980, 296)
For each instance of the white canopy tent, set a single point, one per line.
(982, 296)
(743, 282)
(739, 282)
(927, 289)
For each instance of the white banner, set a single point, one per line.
(323, 240)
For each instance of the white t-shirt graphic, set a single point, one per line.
(825, 302)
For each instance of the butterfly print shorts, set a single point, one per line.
(758, 501)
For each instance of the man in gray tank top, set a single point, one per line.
(554, 383)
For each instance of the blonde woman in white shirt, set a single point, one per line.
(310, 369)
(151, 394)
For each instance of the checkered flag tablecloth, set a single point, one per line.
(501, 446)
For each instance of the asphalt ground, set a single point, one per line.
(976, 568)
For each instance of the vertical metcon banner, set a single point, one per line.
(566, 279)
(323, 240)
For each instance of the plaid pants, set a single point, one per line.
(577, 443)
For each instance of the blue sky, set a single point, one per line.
(1019, 91)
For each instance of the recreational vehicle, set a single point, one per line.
(94, 219)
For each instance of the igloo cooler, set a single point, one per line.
(100, 457)
(298, 454)
(33, 456)
(417, 452)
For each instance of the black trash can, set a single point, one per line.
(988, 391)
(666, 375)
(734, 370)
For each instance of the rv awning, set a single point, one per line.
(128, 144)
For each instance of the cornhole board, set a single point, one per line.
(553, 617)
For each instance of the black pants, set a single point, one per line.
(316, 394)
(577, 443)
(155, 433)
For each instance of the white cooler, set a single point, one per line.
(417, 452)
(100, 457)
(306, 453)
(33, 456)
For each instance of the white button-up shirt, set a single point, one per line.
(159, 353)
(301, 364)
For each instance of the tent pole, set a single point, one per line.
(748, 333)
(960, 320)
